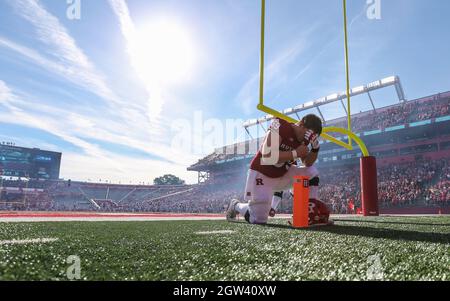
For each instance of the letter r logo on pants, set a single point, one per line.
(259, 182)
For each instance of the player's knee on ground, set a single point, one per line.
(259, 212)
(258, 219)
(247, 217)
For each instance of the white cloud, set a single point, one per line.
(76, 129)
(119, 122)
(95, 162)
(120, 8)
(275, 73)
(134, 48)
(120, 168)
(5, 92)
(326, 48)
(87, 81)
(68, 59)
(30, 142)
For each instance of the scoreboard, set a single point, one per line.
(29, 162)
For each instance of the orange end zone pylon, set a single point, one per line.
(301, 202)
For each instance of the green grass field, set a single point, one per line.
(408, 248)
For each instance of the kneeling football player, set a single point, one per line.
(273, 168)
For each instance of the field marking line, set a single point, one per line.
(215, 232)
(27, 241)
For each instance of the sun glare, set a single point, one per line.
(162, 52)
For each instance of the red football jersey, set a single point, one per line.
(288, 142)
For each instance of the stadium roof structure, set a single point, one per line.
(365, 89)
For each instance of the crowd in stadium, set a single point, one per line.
(420, 183)
(399, 185)
(400, 114)
(439, 193)
(202, 199)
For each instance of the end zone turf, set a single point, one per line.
(408, 248)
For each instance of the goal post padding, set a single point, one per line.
(369, 186)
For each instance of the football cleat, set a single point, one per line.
(272, 212)
(231, 211)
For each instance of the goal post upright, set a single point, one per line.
(262, 54)
(347, 71)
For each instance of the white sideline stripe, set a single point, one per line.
(104, 218)
(27, 241)
(215, 232)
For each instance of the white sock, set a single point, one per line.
(314, 192)
(276, 202)
(242, 208)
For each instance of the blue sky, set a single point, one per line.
(81, 86)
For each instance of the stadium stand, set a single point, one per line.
(411, 141)
(418, 110)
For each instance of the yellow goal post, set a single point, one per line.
(262, 107)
